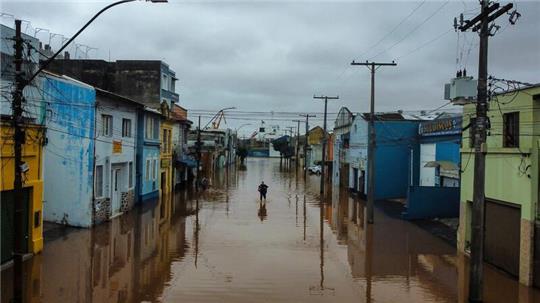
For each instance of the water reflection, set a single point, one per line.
(210, 247)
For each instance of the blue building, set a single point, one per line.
(148, 154)
(395, 136)
(434, 170)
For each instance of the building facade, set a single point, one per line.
(148, 154)
(434, 170)
(91, 139)
(340, 163)
(512, 213)
(395, 136)
(32, 149)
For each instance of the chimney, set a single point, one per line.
(66, 55)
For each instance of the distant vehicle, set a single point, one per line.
(315, 169)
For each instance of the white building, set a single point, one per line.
(115, 149)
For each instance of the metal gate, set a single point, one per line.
(7, 217)
(502, 235)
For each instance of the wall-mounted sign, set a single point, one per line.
(165, 163)
(117, 147)
(440, 127)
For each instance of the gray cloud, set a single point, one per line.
(264, 56)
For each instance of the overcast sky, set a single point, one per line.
(275, 55)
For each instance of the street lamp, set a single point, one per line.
(46, 63)
(239, 127)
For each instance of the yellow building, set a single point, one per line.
(165, 165)
(32, 155)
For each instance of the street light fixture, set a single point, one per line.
(245, 124)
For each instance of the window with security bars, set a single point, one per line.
(511, 129)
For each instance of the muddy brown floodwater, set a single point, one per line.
(225, 246)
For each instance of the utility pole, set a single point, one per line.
(325, 98)
(198, 149)
(290, 129)
(297, 143)
(306, 142)
(481, 22)
(372, 66)
(18, 141)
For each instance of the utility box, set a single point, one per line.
(461, 90)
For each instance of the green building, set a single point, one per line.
(512, 217)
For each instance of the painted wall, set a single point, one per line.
(68, 169)
(32, 154)
(425, 202)
(148, 153)
(394, 140)
(511, 173)
(115, 152)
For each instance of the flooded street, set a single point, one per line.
(226, 246)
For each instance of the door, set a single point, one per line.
(502, 236)
(355, 179)
(116, 174)
(362, 182)
(536, 260)
(427, 174)
(7, 217)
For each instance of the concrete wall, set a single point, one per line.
(511, 173)
(68, 169)
(115, 151)
(394, 139)
(424, 202)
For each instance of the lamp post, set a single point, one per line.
(18, 139)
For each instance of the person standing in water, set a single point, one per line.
(263, 188)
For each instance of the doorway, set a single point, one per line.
(502, 235)
(8, 216)
(117, 183)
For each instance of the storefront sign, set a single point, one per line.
(440, 127)
(117, 147)
(165, 163)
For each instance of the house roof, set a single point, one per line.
(109, 94)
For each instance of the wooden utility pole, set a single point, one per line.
(480, 22)
(297, 143)
(372, 66)
(306, 142)
(325, 138)
(18, 141)
(198, 149)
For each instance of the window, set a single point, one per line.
(165, 82)
(472, 127)
(511, 129)
(166, 141)
(149, 132)
(107, 125)
(126, 128)
(99, 180)
(156, 129)
(154, 170)
(148, 164)
(130, 172)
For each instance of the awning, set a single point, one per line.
(444, 165)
